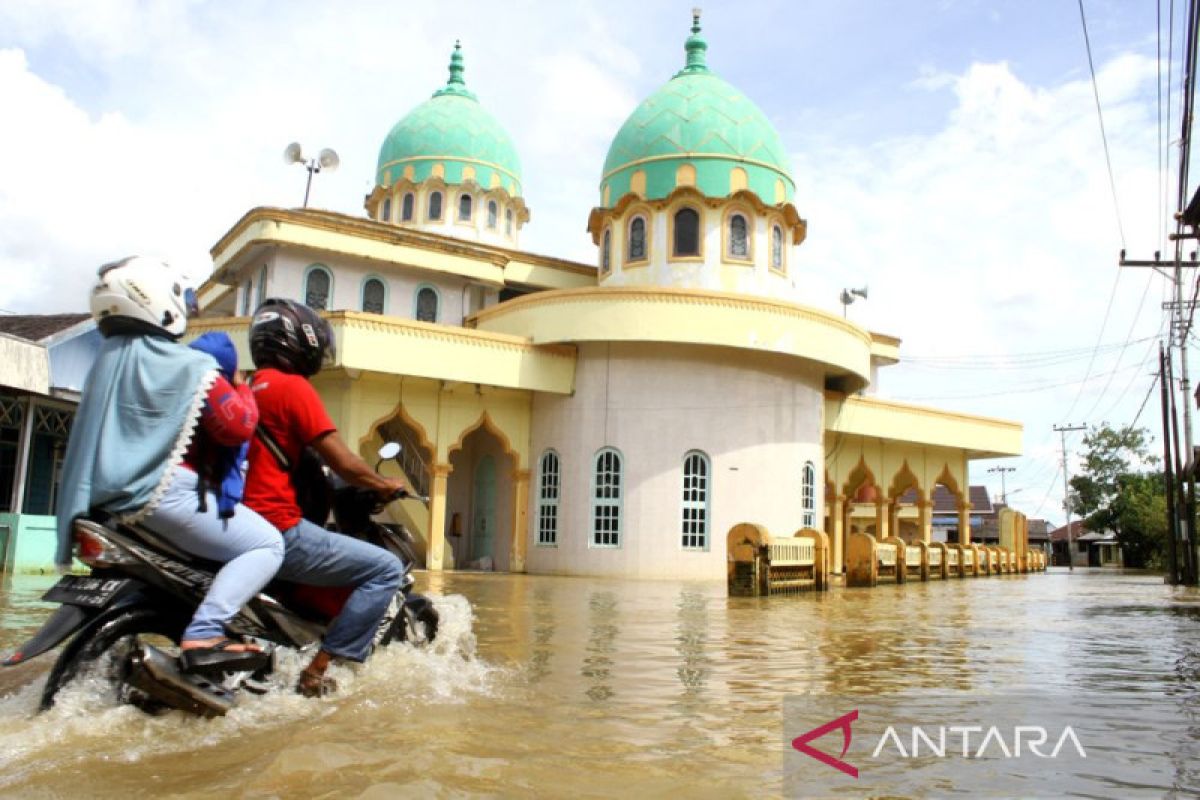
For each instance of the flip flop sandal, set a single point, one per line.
(313, 685)
(218, 658)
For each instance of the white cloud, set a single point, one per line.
(996, 234)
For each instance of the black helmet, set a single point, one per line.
(290, 337)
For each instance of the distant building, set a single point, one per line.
(1085, 548)
(44, 360)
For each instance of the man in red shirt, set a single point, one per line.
(289, 342)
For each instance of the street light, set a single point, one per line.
(326, 159)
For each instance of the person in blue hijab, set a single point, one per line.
(133, 450)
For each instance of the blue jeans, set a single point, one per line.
(318, 557)
(250, 547)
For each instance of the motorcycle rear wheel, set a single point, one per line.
(108, 647)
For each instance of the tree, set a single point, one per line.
(1116, 490)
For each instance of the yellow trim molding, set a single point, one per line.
(687, 316)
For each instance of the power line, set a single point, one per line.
(1142, 408)
(1038, 354)
(1018, 389)
(1100, 114)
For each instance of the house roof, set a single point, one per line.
(35, 327)
(1078, 532)
(944, 502)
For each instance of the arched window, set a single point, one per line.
(606, 499)
(695, 501)
(464, 208)
(406, 207)
(687, 232)
(386, 213)
(606, 252)
(262, 285)
(427, 304)
(373, 294)
(435, 205)
(318, 285)
(492, 214)
(777, 248)
(637, 239)
(808, 496)
(548, 489)
(508, 221)
(739, 240)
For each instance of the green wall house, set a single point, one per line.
(44, 360)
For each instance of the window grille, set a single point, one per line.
(606, 499)
(549, 487)
(695, 501)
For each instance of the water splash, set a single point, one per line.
(88, 723)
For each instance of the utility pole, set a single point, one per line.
(1063, 431)
(1180, 487)
(1174, 573)
(1003, 487)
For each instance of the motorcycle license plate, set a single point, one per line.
(83, 590)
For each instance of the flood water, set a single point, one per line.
(554, 686)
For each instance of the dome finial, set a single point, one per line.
(456, 64)
(695, 47)
(456, 85)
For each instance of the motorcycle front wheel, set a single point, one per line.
(105, 648)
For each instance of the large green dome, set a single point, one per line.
(702, 120)
(454, 130)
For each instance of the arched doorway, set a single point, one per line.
(414, 464)
(483, 515)
(479, 503)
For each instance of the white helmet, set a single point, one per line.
(141, 295)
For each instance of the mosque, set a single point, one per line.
(614, 418)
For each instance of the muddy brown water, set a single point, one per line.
(581, 687)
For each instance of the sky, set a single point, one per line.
(947, 155)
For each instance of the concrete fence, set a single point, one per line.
(762, 564)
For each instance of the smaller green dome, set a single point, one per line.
(452, 129)
(698, 119)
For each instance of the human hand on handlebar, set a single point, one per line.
(397, 489)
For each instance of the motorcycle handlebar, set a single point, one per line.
(401, 494)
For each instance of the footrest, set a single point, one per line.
(209, 661)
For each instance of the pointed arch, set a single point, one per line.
(903, 480)
(485, 421)
(400, 413)
(946, 478)
(860, 476)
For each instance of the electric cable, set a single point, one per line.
(1100, 114)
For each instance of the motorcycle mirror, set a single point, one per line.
(389, 451)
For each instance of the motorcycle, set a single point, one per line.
(126, 618)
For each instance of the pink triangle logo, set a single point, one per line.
(801, 743)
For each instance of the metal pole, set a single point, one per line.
(312, 167)
(1003, 485)
(1173, 576)
(1185, 453)
(1063, 429)
(1187, 567)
